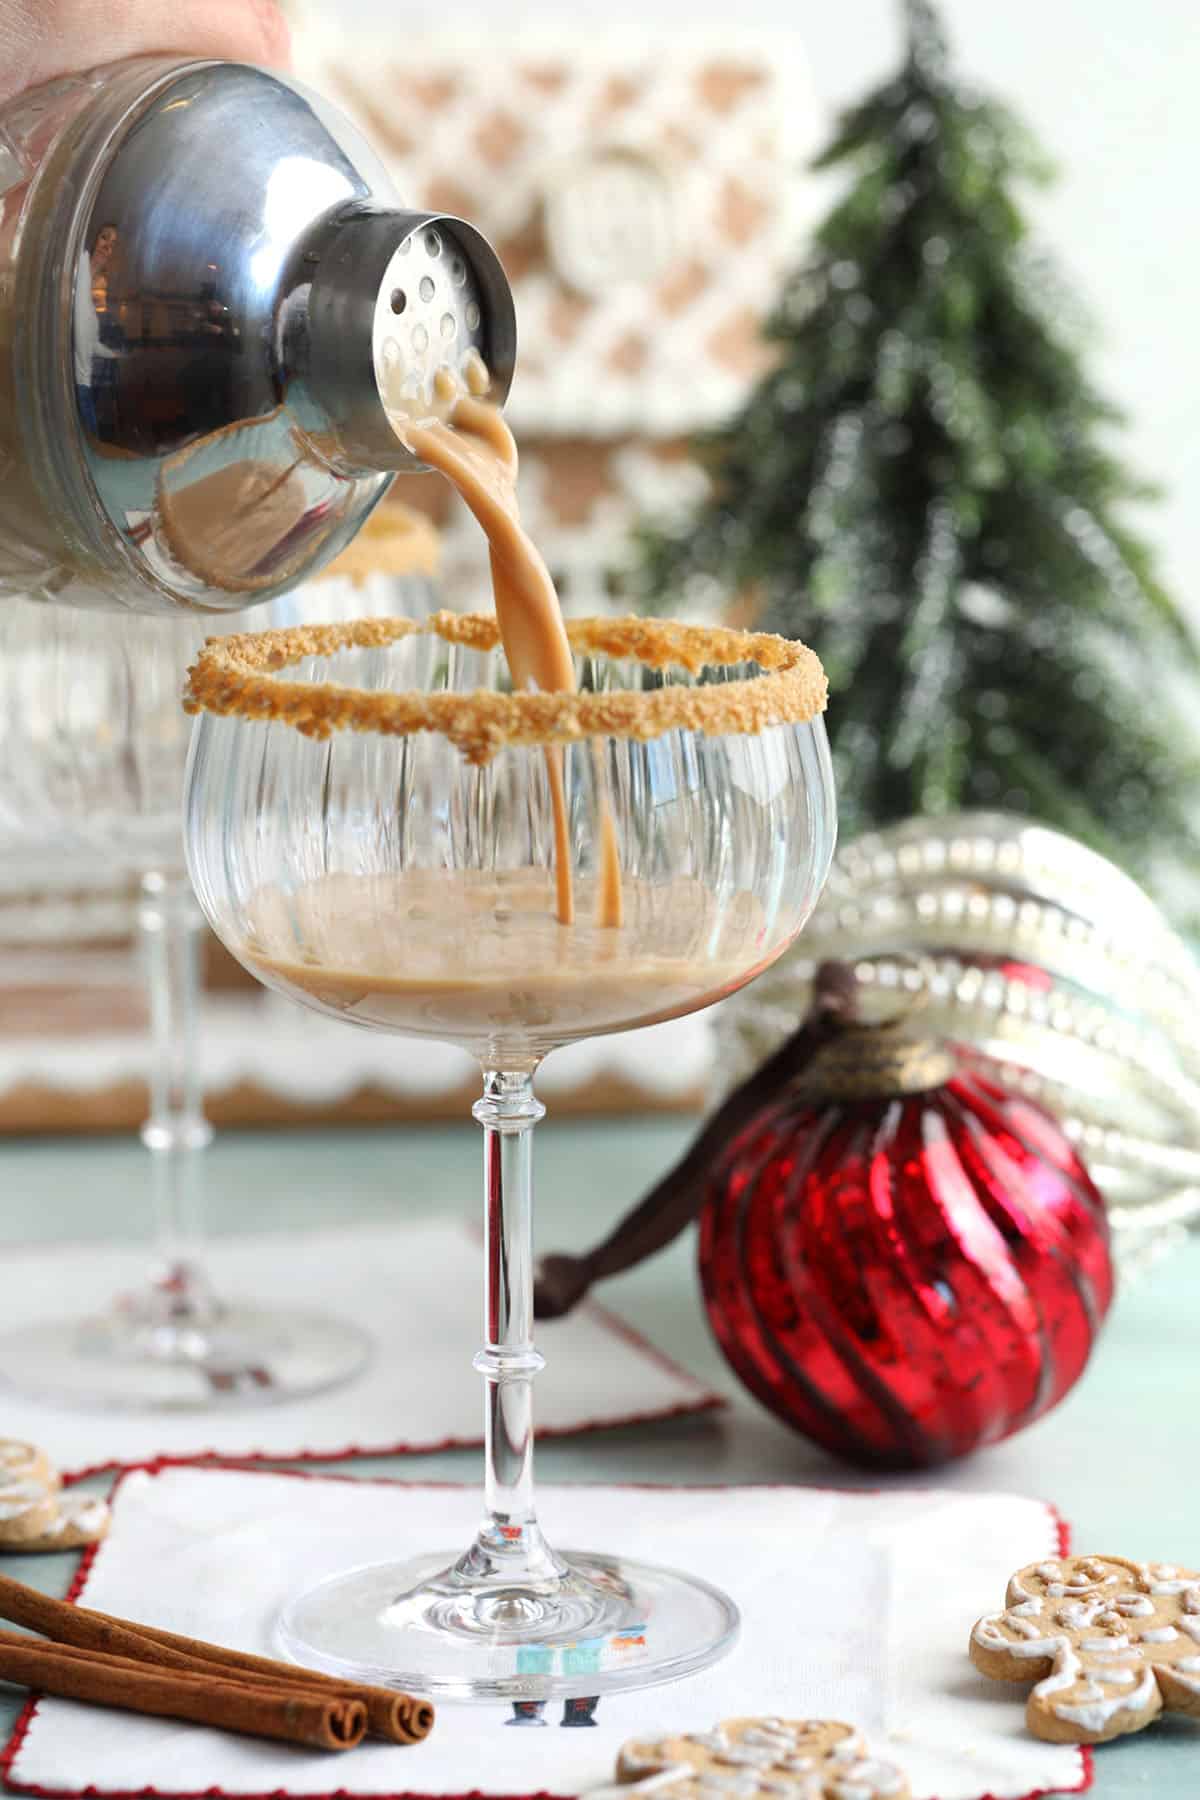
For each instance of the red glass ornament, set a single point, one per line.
(906, 1278)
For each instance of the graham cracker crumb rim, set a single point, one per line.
(240, 676)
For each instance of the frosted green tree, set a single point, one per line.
(923, 488)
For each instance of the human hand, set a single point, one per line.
(42, 39)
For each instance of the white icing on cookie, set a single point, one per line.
(1057, 1589)
(765, 1757)
(867, 1779)
(741, 1757)
(78, 1512)
(1165, 1578)
(989, 1636)
(1077, 1615)
(19, 1496)
(17, 1455)
(1066, 1672)
(1095, 1711)
(1133, 1606)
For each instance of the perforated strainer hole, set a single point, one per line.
(449, 326)
(433, 243)
(473, 316)
(399, 300)
(420, 338)
(427, 288)
(458, 271)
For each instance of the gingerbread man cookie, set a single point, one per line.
(33, 1514)
(1110, 1644)
(742, 1759)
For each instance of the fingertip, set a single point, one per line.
(276, 34)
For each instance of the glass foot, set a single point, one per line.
(136, 1359)
(603, 1626)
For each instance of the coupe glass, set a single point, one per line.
(369, 829)
(93, 746)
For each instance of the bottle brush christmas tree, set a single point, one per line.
(923, 488)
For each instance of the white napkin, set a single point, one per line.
(417, 1288)
(855, 1606)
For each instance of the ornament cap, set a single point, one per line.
(876, 1062)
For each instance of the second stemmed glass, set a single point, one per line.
(93, 744)
(369, 829)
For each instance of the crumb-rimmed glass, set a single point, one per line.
(369, 829)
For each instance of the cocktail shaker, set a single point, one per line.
(206, 279)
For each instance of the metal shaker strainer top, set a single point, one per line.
(431, 317)
(395, 299)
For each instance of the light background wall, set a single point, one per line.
(1112, 88)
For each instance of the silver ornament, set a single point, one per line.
(1052, 971)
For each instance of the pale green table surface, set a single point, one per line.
(1121, 1457)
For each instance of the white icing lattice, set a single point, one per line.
(681, 172)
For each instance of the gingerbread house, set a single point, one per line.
(646, 200)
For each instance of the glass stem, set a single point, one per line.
(510, 1551)
(176, 1132)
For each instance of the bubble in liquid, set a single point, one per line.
(427, 289)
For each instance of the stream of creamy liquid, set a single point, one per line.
(476, 452)
(479, 957)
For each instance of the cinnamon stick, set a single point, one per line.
(294, 1715)
(561, 1282)
(398, 1718)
